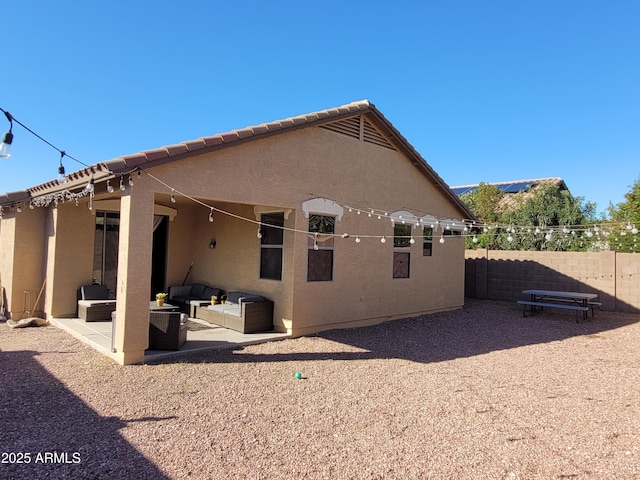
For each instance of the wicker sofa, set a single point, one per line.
(242, 312)
(188, 297)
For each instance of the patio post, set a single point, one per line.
(134, 273)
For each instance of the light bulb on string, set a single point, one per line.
(7, 138)
(130, 181)
(62, 177)
(441, 239)
(412, 241)
(259, 234)
(109, 186)
(357, 239)
(474, 239)
(634, 230)
(122, 187)
(173, 197)
(211, 216)
(90, 185)
(345, 235)
(383, 240)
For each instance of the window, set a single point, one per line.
(427, 241)
(401, 258)
(271, 245)
(320, 248)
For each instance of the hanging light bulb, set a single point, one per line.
(509, 238)
(122, 187)
(259, 235)
(62, 177)
(90, 185)
(7, 138)
(383, 240)
(211, 215)
(109, 186)
(441, 239)
(629, 226)
(634, 230)
(130, 181)
(412, 241)
(345, 235)
(475, 239)
(173, 197)
(357, 239)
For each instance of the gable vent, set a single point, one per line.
(372, 135)
(351, 128)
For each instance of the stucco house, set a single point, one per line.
(333, 216)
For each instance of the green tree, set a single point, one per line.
(543, 220)
(626, 220)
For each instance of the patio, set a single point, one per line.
(207, 336)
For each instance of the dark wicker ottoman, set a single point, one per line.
(167, 330)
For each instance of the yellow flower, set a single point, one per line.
(161, 296)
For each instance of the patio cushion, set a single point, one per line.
(94, 292)
(235, 310)
(234, 297)
(248, 297)
(197, 290)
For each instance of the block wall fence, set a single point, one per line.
(504, 274)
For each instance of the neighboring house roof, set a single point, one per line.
(525, 188)
(339, 119)
(514, 186)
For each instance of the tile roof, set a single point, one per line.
(170, 153)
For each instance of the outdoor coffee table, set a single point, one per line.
(166, 307)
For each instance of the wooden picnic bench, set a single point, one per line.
(581, 302)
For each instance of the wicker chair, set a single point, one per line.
(167, 330)
(94, 304)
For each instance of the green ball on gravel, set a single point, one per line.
(298, 375)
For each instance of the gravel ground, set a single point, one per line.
(476, 393)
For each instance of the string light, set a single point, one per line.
(211, 216)
(62, 177)
(122, 187)
(7, 138)
(173, 196)
(109, 186)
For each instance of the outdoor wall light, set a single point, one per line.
(212, 244)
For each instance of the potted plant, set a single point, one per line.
(160, 297)
(214, 299)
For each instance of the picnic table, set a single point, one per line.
(558, 299)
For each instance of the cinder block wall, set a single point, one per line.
(504, 274)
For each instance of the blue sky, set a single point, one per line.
(485, 90)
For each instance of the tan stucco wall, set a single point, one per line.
(283, 171)
(21, 259)
(69, 259)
